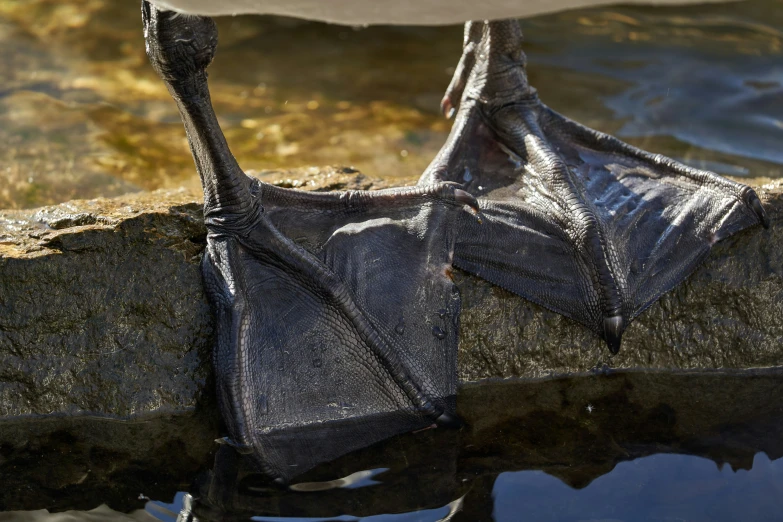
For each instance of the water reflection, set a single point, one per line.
(615, 446)
(442, 514)
(83, 115)
(360, 479)
(654, 488)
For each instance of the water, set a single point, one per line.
(662, 487)
(83, 115)
(659, 487)
(622, 446)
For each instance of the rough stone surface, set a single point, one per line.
(102, 309)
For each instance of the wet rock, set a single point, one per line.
(106, 315)
(102, 309)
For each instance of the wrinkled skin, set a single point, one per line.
(337, 319)
(575, 220)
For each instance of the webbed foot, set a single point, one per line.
(337, 318)
(574, 220)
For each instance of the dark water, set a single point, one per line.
(660, 487)
(624, 446)
(83, 115)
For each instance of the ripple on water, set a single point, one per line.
(83, 115)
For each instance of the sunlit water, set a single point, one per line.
(83, 115)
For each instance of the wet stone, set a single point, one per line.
(108, 316)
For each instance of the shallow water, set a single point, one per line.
(83, 115)
(616, 446)
(661, 487)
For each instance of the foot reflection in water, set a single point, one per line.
(654, 488)
(656, 446)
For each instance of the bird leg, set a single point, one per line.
(573, 219)
(337, 318)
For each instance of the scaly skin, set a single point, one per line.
(337, 319)
(573, 219)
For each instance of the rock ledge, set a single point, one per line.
(102, 309)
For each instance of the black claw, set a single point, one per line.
(613, 332)
(239, 448)
(280, 482)
(466, 199)
(145, 13)
(446, 107)
(448, 420)
(755, 204)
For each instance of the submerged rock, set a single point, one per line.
(102, 309)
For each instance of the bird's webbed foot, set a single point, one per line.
(337, 317)
(574, 219)
(337, 321)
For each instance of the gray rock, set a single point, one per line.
(103, 318)
(102, 309)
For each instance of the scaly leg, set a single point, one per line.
(336, 315)
(573, 219)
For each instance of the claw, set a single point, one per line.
(613, 333)
(467, 198)
(752, 200)
(755, 204)
(448, 420)
(446, 107)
